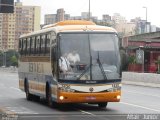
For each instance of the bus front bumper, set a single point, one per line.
(69, 97)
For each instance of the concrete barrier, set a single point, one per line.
(8, 69)
(145, 79)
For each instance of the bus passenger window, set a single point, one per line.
(32, 45)
(48, 44)
(20, 46)
(25, 46)
(40, 51)
(38, 45)
(43, 44)
(28, 46)
(35, 44)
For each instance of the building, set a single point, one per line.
(7, 31)
(126, 29)
(145, 48)
(49, 19)
(120, 24)
(25, 19)
(118, 19)
(60, 15)
(53, 18)
(85, 15)
(75, 18)
(142, 26)
(106, 18)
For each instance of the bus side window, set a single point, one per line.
(35, 45)
(28, 46)
(43, 44)
(47, 46)
(24, 47)
(32, 45)
(20, 46)
(38, 45)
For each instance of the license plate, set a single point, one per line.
(90, 98)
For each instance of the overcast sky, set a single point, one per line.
(127, 8)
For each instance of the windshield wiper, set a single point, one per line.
(101, 67)
(89, 67)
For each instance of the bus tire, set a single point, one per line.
(49, 95)
(102, 105)
(26, 87)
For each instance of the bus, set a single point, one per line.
(91, 69)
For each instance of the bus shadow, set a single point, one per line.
(73, 107)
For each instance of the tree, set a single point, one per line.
(14, 61)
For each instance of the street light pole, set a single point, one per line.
(146, 17)
(89, 13)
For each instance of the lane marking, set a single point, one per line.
(135, 92)
(140, 106)
(85, 112)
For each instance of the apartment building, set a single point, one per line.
(25, 19)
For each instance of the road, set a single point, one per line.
(136, 102)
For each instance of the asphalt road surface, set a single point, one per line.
(137, 102)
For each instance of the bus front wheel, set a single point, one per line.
(28, 95)
(49, 96)
(102, 105)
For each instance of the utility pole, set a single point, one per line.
(89, 12)
(146, 17)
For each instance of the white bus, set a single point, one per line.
(90, 72)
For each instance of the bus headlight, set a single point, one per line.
(61, 97)
(118, 97)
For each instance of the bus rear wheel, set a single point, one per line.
(102, 105)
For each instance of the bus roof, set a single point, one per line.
(72, 26)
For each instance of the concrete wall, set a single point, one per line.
(145, 79)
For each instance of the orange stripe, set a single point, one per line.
(21, 84)
(89, 97)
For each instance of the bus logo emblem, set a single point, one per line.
(91, 89)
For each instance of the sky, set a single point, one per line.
(127, 8)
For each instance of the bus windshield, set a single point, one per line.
(89, 56)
